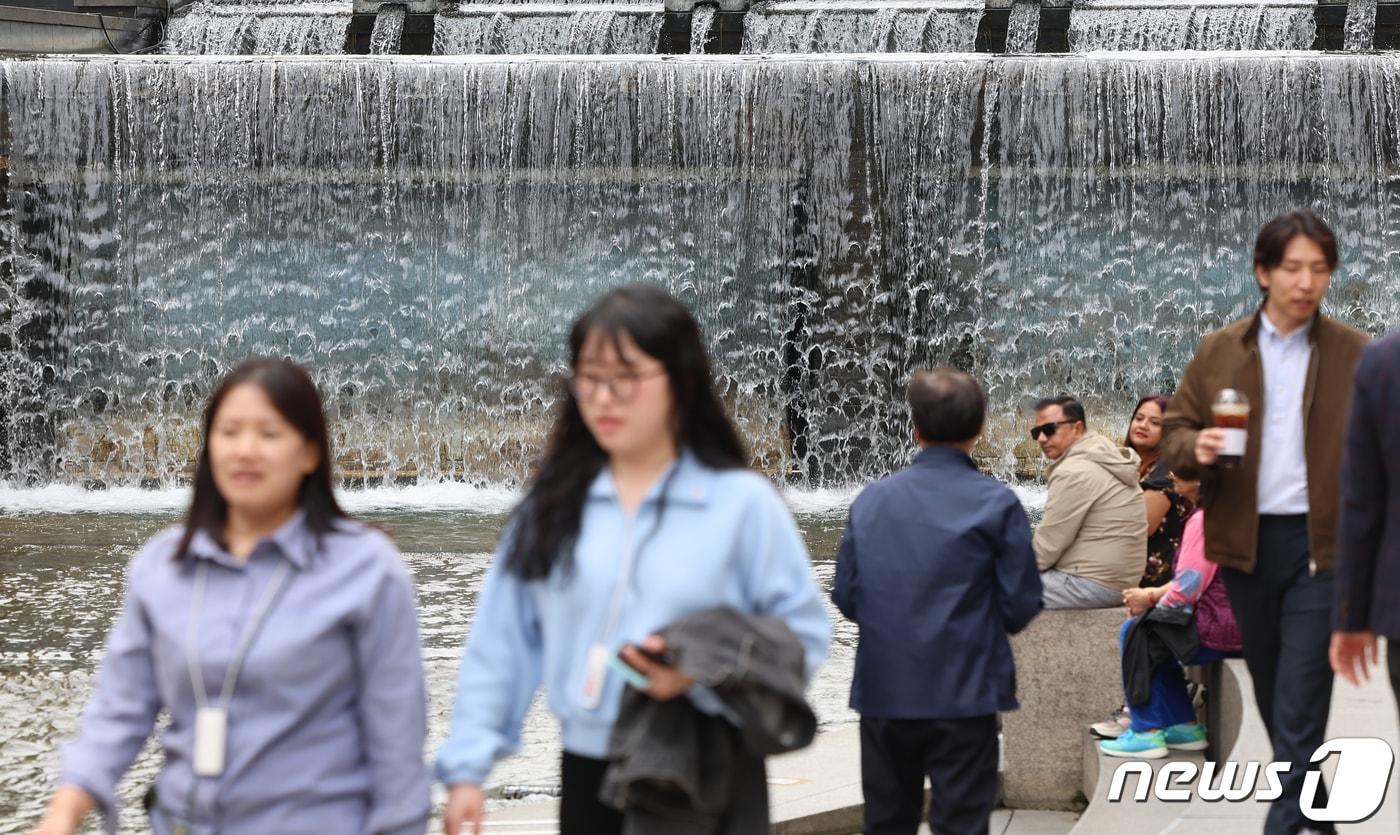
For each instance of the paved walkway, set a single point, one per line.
(815, 790)
(1365, 711)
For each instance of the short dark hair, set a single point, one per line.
(948, 405)
(1274, 238)
(1072, 408)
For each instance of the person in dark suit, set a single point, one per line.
(1368, 539)
(936, 568)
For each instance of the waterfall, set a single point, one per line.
(1192, 24)
(213, 27)
(869, 26)
(387, 36)
(1360, 31)
(702, 22)
(1023, 27)
(584, 28)
(420, 232)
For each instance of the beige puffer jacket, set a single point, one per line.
(1095, 522)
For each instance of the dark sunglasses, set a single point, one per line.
(1047, 429)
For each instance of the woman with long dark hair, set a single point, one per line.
(279, 636)
(1166, 508)
(1168, 503)
(643, 510)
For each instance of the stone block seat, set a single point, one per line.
(1068, 677)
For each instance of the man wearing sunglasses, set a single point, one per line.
(1092, 541)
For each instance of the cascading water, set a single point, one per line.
(420, 233)
(1023, 27)
(511, 27)
(1192, 24)
(862, 26)
(241, 27)
(701, 25)
(1360, 29)
(387, 36)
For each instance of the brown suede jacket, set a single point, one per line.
(1229, 358)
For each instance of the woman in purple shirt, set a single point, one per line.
(280, 637)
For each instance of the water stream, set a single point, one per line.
(1192, 24)
(421, 231)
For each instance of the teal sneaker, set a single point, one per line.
(1148, 745)
(1190, 737)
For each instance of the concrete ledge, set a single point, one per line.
(1240, 737)
(1151, 815)
(1068, 676)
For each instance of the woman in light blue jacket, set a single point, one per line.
(643, 511)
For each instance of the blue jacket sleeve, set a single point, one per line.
(780, 579)
(122, 710)
(1018, 578)
(843, 590)
(1361, 518)
(501, 670)
(392, 704)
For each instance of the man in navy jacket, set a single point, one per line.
(936, 568)
(1368, 537)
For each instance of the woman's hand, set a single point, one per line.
(667, 681)
(1139, 600)
(66, 811)
(466, 803)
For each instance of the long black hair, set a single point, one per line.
(294, 395)
(545, 525)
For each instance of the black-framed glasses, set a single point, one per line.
(1048, 429)
(622, 387)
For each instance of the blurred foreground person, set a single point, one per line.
(1260, 417)
(1368, 530)
(645, 553)
(279, 636)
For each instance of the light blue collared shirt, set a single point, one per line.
(1283, 467)
(327, 723)
(725, 538)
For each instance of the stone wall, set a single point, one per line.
(1067, 677)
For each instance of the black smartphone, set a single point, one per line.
(664, 657)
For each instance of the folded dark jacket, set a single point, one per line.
(1162, 636)
(676, 769)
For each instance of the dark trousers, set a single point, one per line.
(959, 757)
(1392, 654)
(1285, 617)
(580, 810)
(745, 810)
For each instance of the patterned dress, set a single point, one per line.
(1162, 545)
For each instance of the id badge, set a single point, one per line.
(210, 741)
(595, 675)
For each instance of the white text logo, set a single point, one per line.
(1363, 774)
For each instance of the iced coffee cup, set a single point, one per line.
(1231, 413)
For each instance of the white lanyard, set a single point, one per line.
(600, 653)
(629, 562)
(211, 721)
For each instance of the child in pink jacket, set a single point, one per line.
(1168, 720)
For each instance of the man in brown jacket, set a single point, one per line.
(1271, 521)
